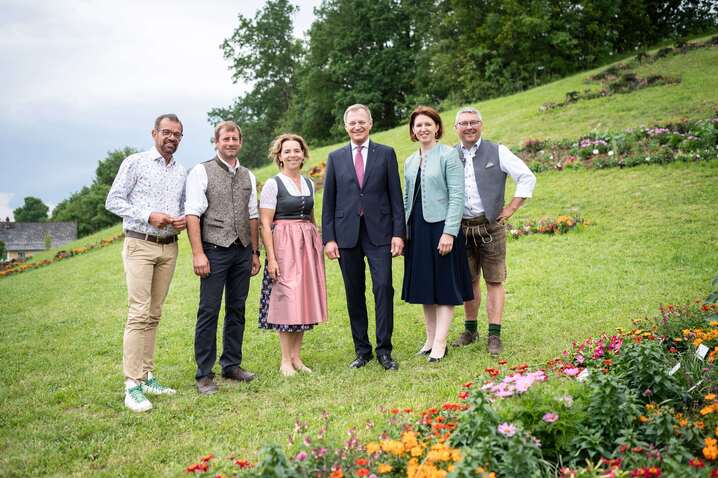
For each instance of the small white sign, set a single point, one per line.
(695, 386)
(701, 351)
(675, 368)
(583, 376)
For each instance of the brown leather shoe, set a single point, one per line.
(239, 374)
(495, 346)
(207, 386)
(465, 338)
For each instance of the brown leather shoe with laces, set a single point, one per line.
(465, 338)
(239, 374)
(495, 346)
(207, 386)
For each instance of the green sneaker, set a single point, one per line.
(152, 387)
(135, 400)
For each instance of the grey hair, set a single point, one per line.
(467, 109)
(357, 107)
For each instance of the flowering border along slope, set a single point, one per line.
(638, 403)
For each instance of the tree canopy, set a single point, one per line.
(32, 210)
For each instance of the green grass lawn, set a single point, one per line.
(653, 241)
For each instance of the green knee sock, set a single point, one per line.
(470, 325)
(495, 329)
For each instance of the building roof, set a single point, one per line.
(30, 236)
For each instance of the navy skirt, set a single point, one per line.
(430, 278)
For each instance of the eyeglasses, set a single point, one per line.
(166, 133)
(466, 124)
(352, 124)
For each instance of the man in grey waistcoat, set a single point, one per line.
(222, 217)
(486, 166)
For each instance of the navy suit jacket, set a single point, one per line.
(380, 198)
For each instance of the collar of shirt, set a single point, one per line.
(230, 168)
(364, 146)
(154, 154)
(472, 150)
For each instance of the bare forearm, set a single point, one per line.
(254, 233)
(194, 234)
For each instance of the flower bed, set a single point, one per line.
(16, 266)
(638, 403)
(559, 225)
(667, 143)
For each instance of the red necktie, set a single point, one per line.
(359, 166)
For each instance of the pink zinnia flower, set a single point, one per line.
(572, 372)
(550, 417)
(507, 429)
(301, 456)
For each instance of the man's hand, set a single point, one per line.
(179, 223)
(506, 213)
(255, 265)
(397, 246)
(160, 220)
(331, 249)
(200, 264)
(446, 243)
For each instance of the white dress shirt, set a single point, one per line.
(197, 204)
(364, 152)
(509, 163)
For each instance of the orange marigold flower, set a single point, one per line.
(384, 468)
(710, 442)
(710, 397)
(338, 473)
(372, 447)
(699, 424)
(710, 453)
(643, 419)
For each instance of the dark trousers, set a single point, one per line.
(351, 262)
(230, 269)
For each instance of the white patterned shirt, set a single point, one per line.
(143, 185)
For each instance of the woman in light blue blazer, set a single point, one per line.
(436, 272)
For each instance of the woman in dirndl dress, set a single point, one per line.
(294, 293)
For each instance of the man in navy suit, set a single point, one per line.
(363, 216)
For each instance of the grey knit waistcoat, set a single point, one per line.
(227, 216)
(490, 179)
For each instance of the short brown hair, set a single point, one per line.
(276, 148)
(431, 113)
(226, 126)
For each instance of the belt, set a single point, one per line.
(151, 238)
(475, 221)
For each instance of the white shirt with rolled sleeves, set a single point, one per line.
(509, 163)
(197, 204)
(145, 184)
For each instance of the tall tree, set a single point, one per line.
(263, 52)
(32, 210)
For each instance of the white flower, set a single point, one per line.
(595, 151)
(610, 153)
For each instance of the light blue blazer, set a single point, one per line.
(442, 186)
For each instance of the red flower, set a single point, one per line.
(492, 371)
(503, 362)
(394, 411)
(207, 457)
(363, 472)
(408, 410)
(243, 463)
(468, 384)
(197, 467)
(463, 395)
(696, 463)
(361, 462)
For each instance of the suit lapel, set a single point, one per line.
(348, 164)
(370, 165)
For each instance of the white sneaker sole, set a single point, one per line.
(138, 407)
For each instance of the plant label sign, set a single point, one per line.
(701, 351)
(675, 368)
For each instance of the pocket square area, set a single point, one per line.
(488, 165)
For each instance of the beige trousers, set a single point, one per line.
(148, 270)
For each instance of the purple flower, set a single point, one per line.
(507, 429)
(301, 456)
(550, 417)
(579, 359)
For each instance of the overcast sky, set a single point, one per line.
(82, 77)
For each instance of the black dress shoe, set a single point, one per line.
(437, 359)
(387, 362)
(360, 361)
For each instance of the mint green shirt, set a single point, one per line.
(442, 186)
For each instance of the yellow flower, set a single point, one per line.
(416, 451)
(643, 419)
(372, 447)
(392, 446)
(384, 468)
(456, 455)
(713, 323)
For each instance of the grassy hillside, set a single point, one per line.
(653, 241)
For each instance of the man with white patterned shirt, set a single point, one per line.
(486, 166)
(148, 193)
